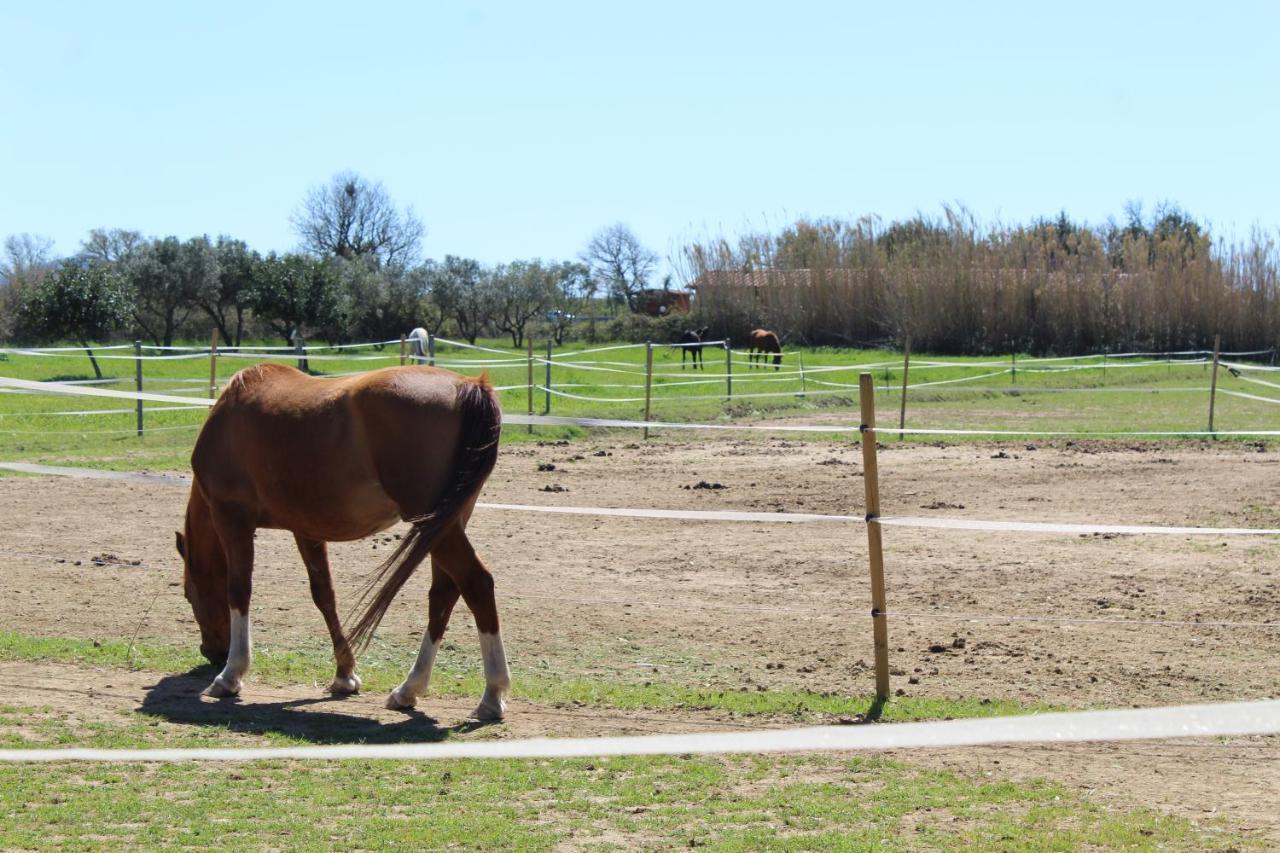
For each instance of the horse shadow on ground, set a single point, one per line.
(177, 699)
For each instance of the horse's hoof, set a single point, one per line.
(490, 710)
(398, 701)
(221, 689)
(345, 686)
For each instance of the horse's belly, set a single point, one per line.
(355, 512)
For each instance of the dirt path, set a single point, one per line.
(768, 606)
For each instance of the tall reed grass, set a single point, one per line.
(954, 286)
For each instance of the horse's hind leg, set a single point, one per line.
(441, 599)
(459, 560)
(316, 556)
(236, 536)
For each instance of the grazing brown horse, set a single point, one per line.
(691, 345)
(336, 460)
(760, 343)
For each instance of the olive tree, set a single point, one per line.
(77, 301)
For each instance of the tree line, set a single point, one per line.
(357, 275)
(1156, 281)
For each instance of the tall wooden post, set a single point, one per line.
(1013, 371)
(728, 370)
(871, 482)
(648, 381)
(902, 405)
(137, 360)
(530, 381)
(404, 349)
(547, 385)
(300, 349)
(431, 349)
(1213, 381)
(213, 364)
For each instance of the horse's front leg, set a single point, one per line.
(315, 554)
(236, 536)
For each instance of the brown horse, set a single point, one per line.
(336, 460)
(760, 343)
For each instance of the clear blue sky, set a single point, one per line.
(518, 129)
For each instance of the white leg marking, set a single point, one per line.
(415, 684)
(345, 686)
(497, 678)
(238, 658)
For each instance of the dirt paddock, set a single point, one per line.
(752, 606)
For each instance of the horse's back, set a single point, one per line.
(297, 450)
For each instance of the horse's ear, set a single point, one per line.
(181, 542)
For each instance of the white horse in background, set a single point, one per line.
(418, 345)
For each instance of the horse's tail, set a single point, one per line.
(477, 453)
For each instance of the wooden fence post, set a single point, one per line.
(431, 349)
(213, 364)
(648, 381)
(137, 360)
(871, 482)
(404, 348)
(800, 359)
(529, 383)
(728, 370)
(547, 386)
(300, 348)
(906, 366)
(1213, 381)
(1013, 371)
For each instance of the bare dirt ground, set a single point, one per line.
(752, 606)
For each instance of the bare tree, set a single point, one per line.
(616, 257)
(110, 245)
(352, 217)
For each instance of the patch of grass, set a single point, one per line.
(726, 803)
(380, 673)
(1122, 399)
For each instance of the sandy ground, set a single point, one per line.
(750, 606)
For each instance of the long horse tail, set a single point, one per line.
(477, 452)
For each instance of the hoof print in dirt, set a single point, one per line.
(1000, 455)
(939, 648)
(602, 453)
(941, 505)
(546, 466)
(555, 487)
(703, 484)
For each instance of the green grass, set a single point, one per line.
(1122, 399)
(726, 803)
(380, 673)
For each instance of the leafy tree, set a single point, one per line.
(78, 301)
(168, 278)
(617, 258)
(224, 297)
(386, 301)
(572, 292)
(519, 292)
(351, 217)
(295, 294)
(457, 290)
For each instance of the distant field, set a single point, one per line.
(812, 385)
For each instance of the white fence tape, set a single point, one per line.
(1232, 719)
(937, 523)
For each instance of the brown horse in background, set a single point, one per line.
(336, 460)
(760, 343)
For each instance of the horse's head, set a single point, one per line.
(702, 333)
(204, 579)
